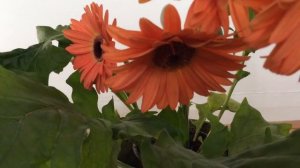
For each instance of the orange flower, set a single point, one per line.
(239, 10)
(279, 23)
(166, 66)
(208, 15)
(143, 1)
(88, 36)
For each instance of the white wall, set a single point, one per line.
(277, 97)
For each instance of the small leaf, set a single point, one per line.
(216, 102)
(242, 74)
(109, 112)
(85, 100)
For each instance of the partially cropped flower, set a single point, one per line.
(143, 1)
(88, 36)
(239, 11)
(208, 16)
(279, 23)
(166, 66)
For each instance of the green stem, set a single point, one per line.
(225, 105)
(135, 106)
(229, 94)
(198, 129)
(185, 109)
(123, 97)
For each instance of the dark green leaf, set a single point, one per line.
(39, 125)
(109, 112)
(249, 129)
(167, 153)
(251, 14)
(176, 120)
(41, 129)
(36, 59)
(85, 100)
(217, 141)
(284, 153)
(99, 150)
(138, 124)
(242, 74)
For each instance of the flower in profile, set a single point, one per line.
(279, 23)
(166, 66)
(89, 35)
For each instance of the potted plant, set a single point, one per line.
(163, 66)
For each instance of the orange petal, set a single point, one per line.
(150, 29)
(171, 19)
(172, 89)
(129, 38)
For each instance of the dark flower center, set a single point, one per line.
(173, 55)
(97, 48)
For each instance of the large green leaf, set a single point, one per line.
(284, 153)
(40, 128)
(85, 100)
(249, 129)
(99, 150)
(38, 59)
(167, 153)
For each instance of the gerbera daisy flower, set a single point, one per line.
(88, 36)
(208, 16)
(279, 23)
(166, 66)
(239, 11)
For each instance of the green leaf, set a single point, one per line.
(85, 100)
(36, 59)
(251, 14)
(99, 150)
(39, 125)
(41, 129)
(47, 34)
(109, 112)
(176, 120)
(279, 154)
(249, 129)
(242, 74)
(167, 153)
(137, 124)
(217, 141)
(216, 101)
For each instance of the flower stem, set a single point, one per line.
(235, 81)
(123, 97)
(225, 105)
